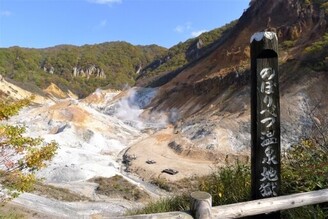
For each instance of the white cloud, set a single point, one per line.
(183, 28)
(105, 2)
(103, 23)
(179, 29)
(5, 13)
(188, 25)
(100, 25)
(197, 33)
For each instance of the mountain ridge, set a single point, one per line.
(111, 64)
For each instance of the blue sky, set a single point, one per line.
(45, 23)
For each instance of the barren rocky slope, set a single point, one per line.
(212, 95)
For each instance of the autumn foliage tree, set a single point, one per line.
(20, 156)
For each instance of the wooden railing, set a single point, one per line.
(201, 206)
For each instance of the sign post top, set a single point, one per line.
(264, 45)
(269, 35)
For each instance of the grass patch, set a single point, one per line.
(181, 186)
(177, 203)
(11, 212)
(57, 193)
(162, 184)
(186, 185)
(117, 186)
(11, 215)
(228, 185)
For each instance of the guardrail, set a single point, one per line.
(201, 206)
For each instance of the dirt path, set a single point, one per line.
(155, 147)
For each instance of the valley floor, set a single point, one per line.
(155, 148)
(94, 135)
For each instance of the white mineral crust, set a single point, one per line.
(259, 36)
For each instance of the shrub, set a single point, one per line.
(305, 168)
(288, 44)
(228, 185)
(318, 45)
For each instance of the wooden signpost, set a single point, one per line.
(265, 117)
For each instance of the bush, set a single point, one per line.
(229, 185)
(305, 168)
(318, 45)
(288, 44)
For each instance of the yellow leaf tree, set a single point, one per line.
(20, 156)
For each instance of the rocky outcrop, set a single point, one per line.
(77, 71)
(308, 17)
(49, 70)
(194, 50)
(220, 83)
(138, 69)
(155, 64)
(92, 71)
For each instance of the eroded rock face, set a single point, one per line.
(77, 71)
(212, 95)
(155, 64)
(194, 50)
(49, 70)
(92, 71)
(304, 18)
(221, 83)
